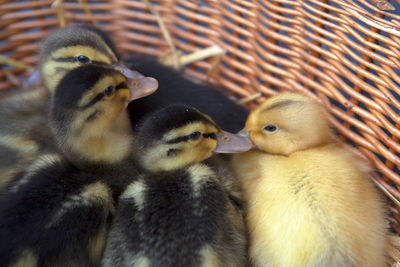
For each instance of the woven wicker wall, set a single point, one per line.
(344, 52)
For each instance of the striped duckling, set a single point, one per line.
(58, 212)
(184, 209)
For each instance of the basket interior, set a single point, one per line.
(344, 53)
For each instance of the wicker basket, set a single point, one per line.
(346, 53)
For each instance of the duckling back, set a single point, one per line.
(313, 205)
(55, 215)
(174, 88)
(175, 220)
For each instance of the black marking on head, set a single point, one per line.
(173, 152)
(65, 59)
(101, 95)
(192, 137)
(73, 36)
(77, 82)
(122, 85)
(76, 59)
(210, 135)
(171, 117)
(73, 86)
(94, 100)
(179, 140)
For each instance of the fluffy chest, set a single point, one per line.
(178, 211)
(284, 192)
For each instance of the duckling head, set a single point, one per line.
(69, 48)
(179, 135)
(288, 122)
(88, 116)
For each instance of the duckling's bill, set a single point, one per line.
(232, 143)
(244, 133)
(138, 84)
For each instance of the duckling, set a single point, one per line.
(23, 114)
(182, 210)
(81, 37)
(69, 48)
(175, 88)
(309, 199)
(58, 212)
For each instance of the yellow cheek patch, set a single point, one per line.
(124, 93)
(109, 97)
(207, 144)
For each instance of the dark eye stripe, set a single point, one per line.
(100, 96)
(179, 139)
(65, 59)
(210, 135)
(122, 85)
(99, 63)
(187, 137)
(74, 59)
(96, 99)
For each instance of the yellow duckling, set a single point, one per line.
(309, 199)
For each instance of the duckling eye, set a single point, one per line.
(83, 59)
(270, 128)
(109, 91)
(195, 135)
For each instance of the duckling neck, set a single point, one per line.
(112, 146)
